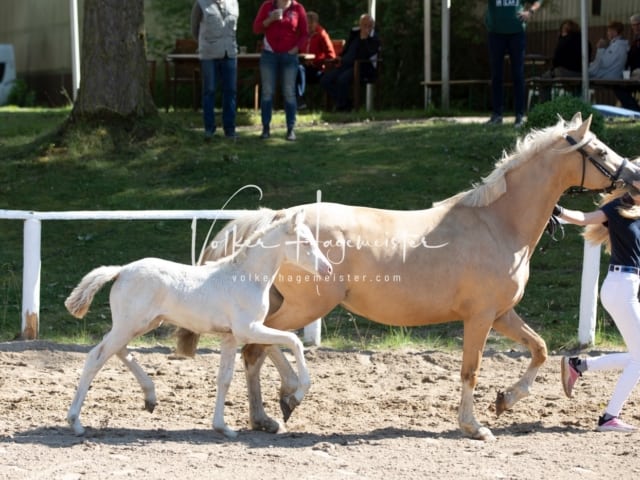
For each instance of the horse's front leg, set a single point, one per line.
(476, 330)
(253, 356)
(225, 375)
(512, 326)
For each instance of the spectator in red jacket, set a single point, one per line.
(284, 25)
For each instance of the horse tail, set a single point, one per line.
(226, 241)
(81, 297)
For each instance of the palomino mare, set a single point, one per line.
(229, 297)
(466, 258)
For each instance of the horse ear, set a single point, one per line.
(296, 219)
(584, 128)
(577, 118)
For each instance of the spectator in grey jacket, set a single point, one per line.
(213, 24)
(611, 56)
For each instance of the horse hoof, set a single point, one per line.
(484, 434)
(501, 403)
(286, 409)
(268, 425)
(78, 429)
(227, 432)
(149, 406)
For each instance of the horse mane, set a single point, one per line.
(494, 186)
(246, 231)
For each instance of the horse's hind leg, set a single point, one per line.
(143, 379)
(225, 375)
(289, 382)
(255, 332)
(253, 356)
(110, 344)
(512, 326)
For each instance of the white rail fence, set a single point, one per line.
(32, 242)
(31, 263)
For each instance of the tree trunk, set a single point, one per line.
(114, 77)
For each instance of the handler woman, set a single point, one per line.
(617, 224)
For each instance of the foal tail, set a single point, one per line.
(81, 297)
(234, 233)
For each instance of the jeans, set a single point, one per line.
(272, 66)
(514, 45)
(619, 295)
(214, 71)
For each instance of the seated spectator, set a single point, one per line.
(363, 44)
(611, 55)
(567, 56)
(633, 58)
(318, 43)
(626, 96)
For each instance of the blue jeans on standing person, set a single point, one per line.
(514, 45)
(272, 66)
(214, 72)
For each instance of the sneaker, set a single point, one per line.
(208, 136)
(569, 374)
(291, 135)
(614, 424)
(265, 133)
(494, 120)
(519, 123)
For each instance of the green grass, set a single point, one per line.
(390, 162)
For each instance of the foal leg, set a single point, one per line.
(512, 326)
(225, 375)
(475, 335)
(112, 343)
(143, 379)
(253, 356)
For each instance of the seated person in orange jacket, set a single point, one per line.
(363, 44)
(319, 43)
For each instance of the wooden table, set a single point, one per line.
(246, 61)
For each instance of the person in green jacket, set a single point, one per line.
(506, 22)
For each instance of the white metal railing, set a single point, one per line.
(32, 242)
(312, 332)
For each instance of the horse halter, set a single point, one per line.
(613, 176)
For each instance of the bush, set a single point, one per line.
(546, 114)
(21, 96)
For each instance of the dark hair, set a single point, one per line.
(573, 26)
(617, 26)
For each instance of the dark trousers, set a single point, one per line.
(514, 45)
(337, 83)
(626, 98)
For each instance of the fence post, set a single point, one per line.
(312, 333)
(589, 294)
(31, 279)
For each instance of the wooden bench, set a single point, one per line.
(574, 84)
